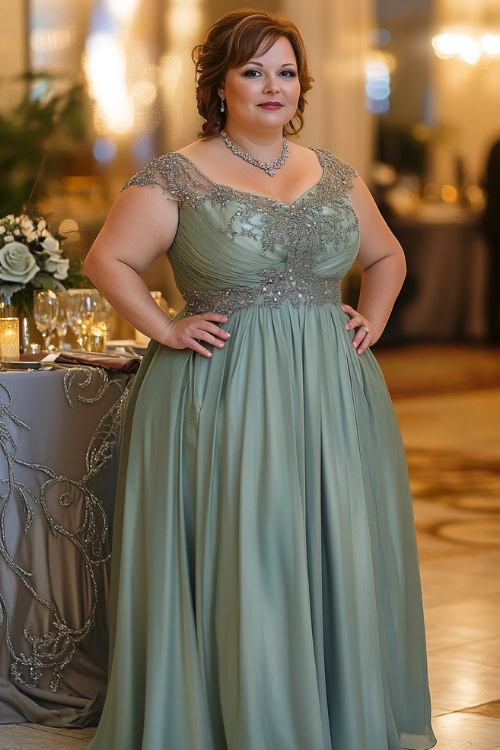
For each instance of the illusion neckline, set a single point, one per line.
(259, 195)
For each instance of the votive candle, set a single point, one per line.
(9, 339)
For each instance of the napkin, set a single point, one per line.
(120, 364)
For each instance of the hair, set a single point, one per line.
(229, 43)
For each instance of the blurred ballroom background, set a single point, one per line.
(408, 92)
(405, 91)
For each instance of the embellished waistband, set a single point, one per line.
(272, 292)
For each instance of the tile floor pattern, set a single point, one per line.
(448, 404)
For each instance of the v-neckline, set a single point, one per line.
(259, 195)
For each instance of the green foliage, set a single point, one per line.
(50, 125)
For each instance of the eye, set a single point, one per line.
(247, 73)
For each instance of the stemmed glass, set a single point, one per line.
(62, 318)
(82, 304)
(45, 307)
(99, 331)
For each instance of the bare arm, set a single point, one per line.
(139, 228)
(383, 268)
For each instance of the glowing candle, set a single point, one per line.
(9, 339)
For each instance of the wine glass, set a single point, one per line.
(82, 304)
(99, 330)
(45, 307)
(62, 318)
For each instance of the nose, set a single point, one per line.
(273, 85)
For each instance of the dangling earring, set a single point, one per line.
(222, 104)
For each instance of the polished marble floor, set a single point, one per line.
(448, 404)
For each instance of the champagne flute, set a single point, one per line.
(45, 307)
(62, 318)
(81, 308)
(99, 331)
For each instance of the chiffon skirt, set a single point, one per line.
(265, 590)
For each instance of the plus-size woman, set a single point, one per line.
(265, 590)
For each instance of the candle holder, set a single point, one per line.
(9, 339)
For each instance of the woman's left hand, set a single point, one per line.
(363, 338)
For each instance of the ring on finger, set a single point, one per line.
(365, 329)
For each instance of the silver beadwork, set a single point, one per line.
(323, 215)
(49, 653)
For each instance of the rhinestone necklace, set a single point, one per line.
(269, 167)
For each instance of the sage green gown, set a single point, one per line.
(265, 590)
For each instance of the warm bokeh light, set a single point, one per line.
(457, 45)
(50, 40)
(105, 66)
(491, 44)
(122, 9)
(449, 193)
(466, 46)
(183, 16)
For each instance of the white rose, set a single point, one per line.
(17, 232)
(2, 230)
(8, 238)
(42, 224)
(17, 263)
(51, 244)
(26, 224)
(58, 266)
(62, 268)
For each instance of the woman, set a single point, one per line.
(265, 591)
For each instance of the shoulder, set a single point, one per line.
(339, 170)
(164, 171)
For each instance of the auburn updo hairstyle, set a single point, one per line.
(229, 43)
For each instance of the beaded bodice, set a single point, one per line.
(233, 249)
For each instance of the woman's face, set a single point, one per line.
(271, 77)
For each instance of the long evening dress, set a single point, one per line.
(265, 591)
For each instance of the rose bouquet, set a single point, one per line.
(32, 258)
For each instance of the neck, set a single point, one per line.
(265, 146)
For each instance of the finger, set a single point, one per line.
(358, 320)
(202, 334)
(195, 346)
(365, 343)
(213, 316)
(212, 328)
(360, 335)
(347, 308)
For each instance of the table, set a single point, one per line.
(444, 291)
(59, 449)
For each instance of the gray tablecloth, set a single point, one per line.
(59, 450)
(446, 275)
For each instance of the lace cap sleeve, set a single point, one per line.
(159, 171)
(177, 177)
(340, 173)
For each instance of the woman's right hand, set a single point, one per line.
(187, 332)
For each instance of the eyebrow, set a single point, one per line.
(254, 62)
